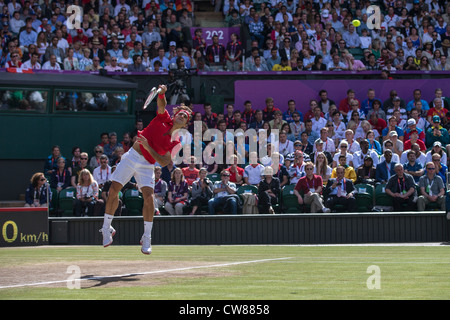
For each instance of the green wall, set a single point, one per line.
(31, 136)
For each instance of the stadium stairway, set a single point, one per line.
(205, 15)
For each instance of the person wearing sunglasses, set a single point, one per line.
(78, 167)
(156, 143)
(37, 193)
(15, 60)
(432, 188)
(224, 192)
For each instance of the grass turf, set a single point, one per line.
(308, 272)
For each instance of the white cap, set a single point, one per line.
(172, 43)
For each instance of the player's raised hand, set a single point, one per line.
(162, 89)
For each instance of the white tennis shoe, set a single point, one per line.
(146, 243)
(108, 234)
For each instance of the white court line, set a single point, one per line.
(142, 273)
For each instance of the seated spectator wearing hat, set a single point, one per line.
(96, 50)
(437, 149)
(411, 125)
(414, 138)
(436, 133)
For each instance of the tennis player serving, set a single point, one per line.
(154, 144)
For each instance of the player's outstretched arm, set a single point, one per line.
(161, 101)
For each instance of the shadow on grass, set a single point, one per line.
(101, 281)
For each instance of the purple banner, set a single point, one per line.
(223, 34)
(302, 91)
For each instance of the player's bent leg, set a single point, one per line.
(148, 211)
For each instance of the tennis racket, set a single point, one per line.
(153, 93)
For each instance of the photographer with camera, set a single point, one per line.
(202, 191)
(178, 75)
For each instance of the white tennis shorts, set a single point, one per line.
(134, 164)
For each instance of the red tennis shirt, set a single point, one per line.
(157, 136)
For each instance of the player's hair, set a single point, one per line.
(183, 107)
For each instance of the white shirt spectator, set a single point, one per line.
(348, 156)
(318, 124)
(286, 147)
(421, 159)
(102, 175)
(48, 66)
(358, 158)
(27, 65)
(254, 174)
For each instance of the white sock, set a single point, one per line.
(148, 225)
(107, 219)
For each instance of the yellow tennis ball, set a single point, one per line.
(356, 23)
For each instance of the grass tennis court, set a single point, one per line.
(226, 272)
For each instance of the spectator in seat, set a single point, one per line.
(236, 172)
(61, 177)
(202, 191)
(51, 164)
(254, 171)
(268, 192)
(37, 192)
(103, 172)
(51, 64)
(191, 173)
(340, 191)
(436, 133)
(224, 191)
(385, 169)
(432, 189)
(109, 148)
(310, 186)
(77, 169)
(402, 188)
(350, 172)
(177, 195)
(413, 167)
(87, 194)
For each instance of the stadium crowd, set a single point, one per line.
(323, 155)
(150, 35)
